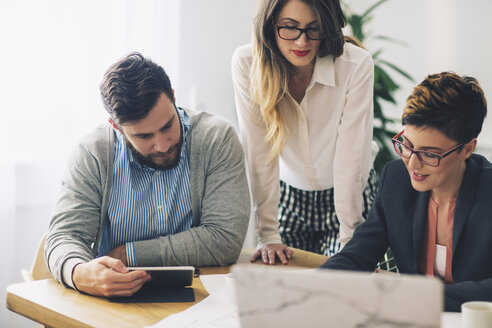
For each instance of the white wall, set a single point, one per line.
(440, 35)
(209, 32)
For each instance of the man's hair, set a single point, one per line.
(270, 70)
(132, 86)
(449, 103)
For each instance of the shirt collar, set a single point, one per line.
(324, 71)
(185, 126)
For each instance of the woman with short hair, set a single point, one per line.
(434, 206)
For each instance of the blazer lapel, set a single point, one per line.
(466, 199)
(419, 224)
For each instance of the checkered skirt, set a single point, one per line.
(308, 219)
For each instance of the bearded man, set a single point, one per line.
(157, 186)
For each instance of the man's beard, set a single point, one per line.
(169, 163)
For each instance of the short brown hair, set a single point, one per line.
(454, 105)
(132, 86)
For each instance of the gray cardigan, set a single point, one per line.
(219, 195)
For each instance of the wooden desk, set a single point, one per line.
(51, 304)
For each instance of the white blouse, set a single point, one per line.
(329, 138)
(440, 261)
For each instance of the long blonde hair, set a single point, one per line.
(269, 75)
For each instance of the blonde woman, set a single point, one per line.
(304, 104)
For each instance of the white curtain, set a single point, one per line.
(53, 56)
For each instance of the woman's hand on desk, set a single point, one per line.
(269, 252)
(106, 276)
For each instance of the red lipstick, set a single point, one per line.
(300, 53)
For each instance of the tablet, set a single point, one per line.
(168, 284)
(169, 276)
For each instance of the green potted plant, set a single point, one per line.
(384, 85)
(384, 90)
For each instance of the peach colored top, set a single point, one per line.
(430, 239)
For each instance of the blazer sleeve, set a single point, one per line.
(370, 240)
(461, 292)
(472, 263)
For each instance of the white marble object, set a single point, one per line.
(325, 298)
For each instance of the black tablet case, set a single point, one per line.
(157, 293)
(165, 287)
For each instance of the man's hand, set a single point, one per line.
(119, 253)
(268, 253)
(106, 276)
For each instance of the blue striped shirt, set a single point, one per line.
(146, 203)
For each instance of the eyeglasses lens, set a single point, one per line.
(424, 157)
(292, 33)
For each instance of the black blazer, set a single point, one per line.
(398, 220)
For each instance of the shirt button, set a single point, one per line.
(157, 173)
(159, 207)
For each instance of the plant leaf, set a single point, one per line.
(397, 69)
(384, 78)
(376, 54)
(355, 22)
(371, 8)
(378, 113)
(386, 96)
(390, 39)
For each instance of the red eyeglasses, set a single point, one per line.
(426, 157)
